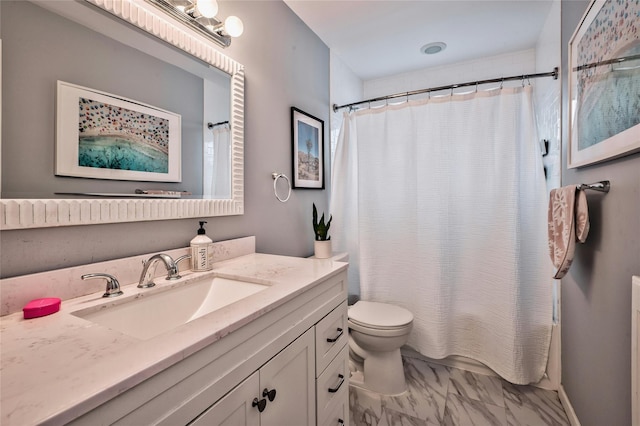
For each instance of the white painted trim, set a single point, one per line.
(0, 110)
(635, 353)
(568, 408)
(553, 374)
(41, 213)
(551, 378)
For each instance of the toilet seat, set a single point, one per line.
(374, 327)
(379, 316)
(380, 332)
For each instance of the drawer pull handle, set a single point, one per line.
(335, 339)
(334, 390)
(271, 394)
(260, 403)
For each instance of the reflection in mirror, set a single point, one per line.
(44, 42)
(217, 161)
(170, 80)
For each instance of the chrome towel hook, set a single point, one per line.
(275, 177)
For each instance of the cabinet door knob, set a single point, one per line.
(334, 390)
(340, 421)
(260, 403)
(271, 394)
(335, 339)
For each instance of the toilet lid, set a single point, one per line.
(379, 315)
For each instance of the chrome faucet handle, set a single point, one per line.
(113, 286)
(180, 259)
(148, 269)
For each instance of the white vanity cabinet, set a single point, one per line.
(297, 348)
(332, 368)
(289, 376)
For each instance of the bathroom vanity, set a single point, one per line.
(275, 357)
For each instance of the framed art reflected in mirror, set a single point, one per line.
(105, 136)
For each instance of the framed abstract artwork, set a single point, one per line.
(104, 136)
(307, 135)
(604, 84)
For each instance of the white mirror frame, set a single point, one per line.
(42, 213)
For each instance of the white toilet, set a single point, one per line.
(376, 333)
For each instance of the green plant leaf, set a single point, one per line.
(321, 228)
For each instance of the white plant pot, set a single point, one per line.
(322, 249)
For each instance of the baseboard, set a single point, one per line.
(568, 408)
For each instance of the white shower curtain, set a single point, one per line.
(441, 205)
(217, 164)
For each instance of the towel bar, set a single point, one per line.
(602, 186)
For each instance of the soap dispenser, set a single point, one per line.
(201, 251)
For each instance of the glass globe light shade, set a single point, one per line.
(207, 8)
(233, 26)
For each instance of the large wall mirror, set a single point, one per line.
(134, 52)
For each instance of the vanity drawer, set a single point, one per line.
(338, 415)
(332, 333)
(332, 386)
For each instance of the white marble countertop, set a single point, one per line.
(58, 367)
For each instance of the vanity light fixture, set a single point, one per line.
(200, 15)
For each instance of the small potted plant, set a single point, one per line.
(322, 243)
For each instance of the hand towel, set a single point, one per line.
(568, 221)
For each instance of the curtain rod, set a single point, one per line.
(553, 74)
(212, 125)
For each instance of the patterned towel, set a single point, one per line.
(568, 221)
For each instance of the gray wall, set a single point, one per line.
(286, 65)
(596, 293)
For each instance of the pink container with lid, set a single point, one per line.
(41, 307)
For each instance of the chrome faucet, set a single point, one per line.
(113, 286)
(149, 267)
(180, 259)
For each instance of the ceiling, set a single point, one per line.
(378, 38)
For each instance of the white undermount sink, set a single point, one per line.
(154, 313)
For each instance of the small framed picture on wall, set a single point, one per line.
(307, 136)
(604, 84)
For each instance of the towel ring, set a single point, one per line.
(275, 177)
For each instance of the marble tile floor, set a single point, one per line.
(446, 396)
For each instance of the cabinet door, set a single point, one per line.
(291, 374)
(235, 408)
